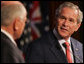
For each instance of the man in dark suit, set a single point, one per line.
(58, 46)
(13, 18)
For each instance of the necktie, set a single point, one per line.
(68, 53)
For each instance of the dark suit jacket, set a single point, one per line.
(48, 50)
(9, 52)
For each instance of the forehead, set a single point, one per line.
(69, 12)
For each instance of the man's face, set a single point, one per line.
(20, 25)
(67, 22)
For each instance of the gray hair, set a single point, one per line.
(72, 6)
(10, 12)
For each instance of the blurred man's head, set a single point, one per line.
(68, 19)
(13, 17)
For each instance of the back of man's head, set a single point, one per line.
(11, 10)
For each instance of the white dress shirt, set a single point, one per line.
(61, 41)
(9, 36)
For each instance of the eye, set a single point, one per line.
(71, 20)
(62, 17)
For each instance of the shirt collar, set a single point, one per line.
(9, 36)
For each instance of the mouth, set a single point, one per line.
(64, 29)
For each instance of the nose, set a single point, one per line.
(66, 23)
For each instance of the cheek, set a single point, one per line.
(20, 30)
(72, 29)
(23, 26)
(59, 24)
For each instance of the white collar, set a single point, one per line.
(9, 36)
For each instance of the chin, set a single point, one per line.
(64, 34)
(18, 37)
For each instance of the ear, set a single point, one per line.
(16, 24)
(77, 27)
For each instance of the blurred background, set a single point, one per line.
(41, 19)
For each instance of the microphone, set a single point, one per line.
(73, 54)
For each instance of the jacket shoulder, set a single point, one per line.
(76, 42)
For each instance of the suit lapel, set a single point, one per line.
(76, 51)
(56, 49)
(59, 54)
